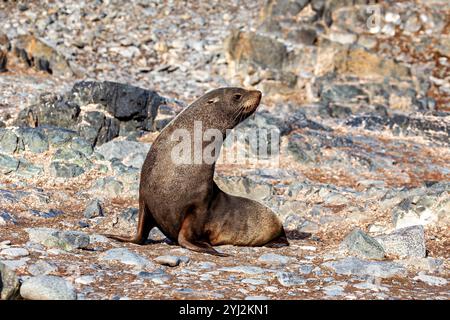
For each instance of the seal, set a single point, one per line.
(182, 199)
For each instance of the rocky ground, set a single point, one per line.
(360, 96)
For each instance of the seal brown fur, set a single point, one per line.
(183, 200)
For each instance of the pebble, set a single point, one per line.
(171, 261)
(431, 280)
(125, 256)
(272, 258)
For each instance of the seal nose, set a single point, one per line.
(257, 94)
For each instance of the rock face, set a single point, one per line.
(47, 288)
(405, 242)
(122, 109)
(9, 283)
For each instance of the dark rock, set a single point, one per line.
(3, 61)
(307, 36)
(33, 139)
(124, 101)
(50, 110)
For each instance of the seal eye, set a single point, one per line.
(237, 97)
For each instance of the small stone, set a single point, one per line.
(431, 280)
(85, 280)
(244, 269)
(47, 288)
(93, 209)
(14, 252)
(255, 282)
(305, 268)
(171, 261)
(333, 290)
(125, 256)
(362, 245)
(256, 298)
(272, 258)
(405, 242)
(288, 279)
(159, 276)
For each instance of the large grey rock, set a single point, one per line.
(125, 256)
(47, 288)
(405, 242)
(359, 267)
(9, 283)
(53, 238)
(360, 244)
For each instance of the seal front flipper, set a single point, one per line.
(145, 225)
(187, 240)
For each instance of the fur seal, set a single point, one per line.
(183, 200)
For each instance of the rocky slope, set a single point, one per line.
(358, 91)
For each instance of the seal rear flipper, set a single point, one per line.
(145, 225)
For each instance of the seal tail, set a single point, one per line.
(145, 225)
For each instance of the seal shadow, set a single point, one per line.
(297, 235)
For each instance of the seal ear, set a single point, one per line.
(212, 100)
